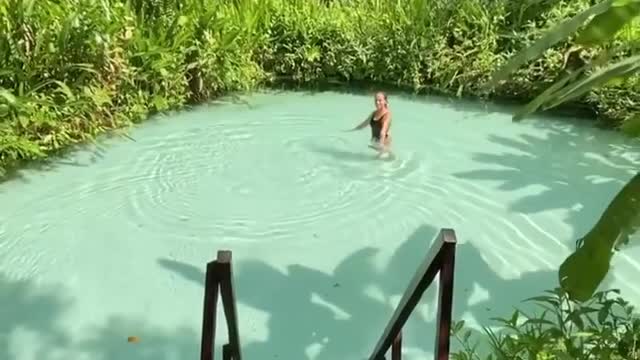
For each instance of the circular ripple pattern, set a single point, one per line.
(248, 181)
(259, 178)
(274, 171)
(171, 171)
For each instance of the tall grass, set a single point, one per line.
(71, 69)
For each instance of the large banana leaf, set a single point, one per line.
(547, 95)
(617, 70)
(553, 36)
(604, 26)
(583, 271)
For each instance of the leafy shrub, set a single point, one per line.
(605, 327)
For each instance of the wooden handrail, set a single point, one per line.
(219, 278)
(440, 259)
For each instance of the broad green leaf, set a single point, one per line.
(575, 318)
(41, 85)
(622, 68)
(6, 72)
(63, 88)
(584, 270)
(535, 321)
(457, 327)
(553, 36)
(583, 334)
(604, 26)
(8, 97)
(547, 299)
(631, 126)
(24, 121)
(546, 95)
(603, 314)
(84, 67)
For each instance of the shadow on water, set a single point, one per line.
(568, 163)
(109, 341)
(32, 315)
(92, 153)
(186, 271)
(29, 310)
(346, 311)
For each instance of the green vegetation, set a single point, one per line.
(71, 69)
(604, 327)
(595, 28)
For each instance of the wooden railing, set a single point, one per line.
(440, 259)
(219, 280)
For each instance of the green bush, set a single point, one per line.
(71, 69)
(604, 327)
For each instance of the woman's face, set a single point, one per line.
(381, 102)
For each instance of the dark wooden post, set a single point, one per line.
(219, 279)
(440, 259)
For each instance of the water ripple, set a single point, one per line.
(280, 181)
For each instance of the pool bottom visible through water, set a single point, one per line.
(113, 243)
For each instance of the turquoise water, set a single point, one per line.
(112, 242)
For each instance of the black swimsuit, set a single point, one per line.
(376, 128)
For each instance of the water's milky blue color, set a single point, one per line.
(112, 242)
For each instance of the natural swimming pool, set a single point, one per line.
(112, 244)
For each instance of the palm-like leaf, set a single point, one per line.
(558, 33)
(547, 95)
(620, 69)
(604, 26)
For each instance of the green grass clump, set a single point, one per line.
(72, 69)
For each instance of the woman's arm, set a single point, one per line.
(363, 124)
(386, 119)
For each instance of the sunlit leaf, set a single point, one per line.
(24, 121)
(553, 36)
(4, 110)
(622, 68)
(604, 26)
(63, 88)
(8, 97)
(603, 314)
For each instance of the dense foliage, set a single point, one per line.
(596, 29)
(604, 327)
(71, 69)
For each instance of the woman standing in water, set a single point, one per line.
(380, 122)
